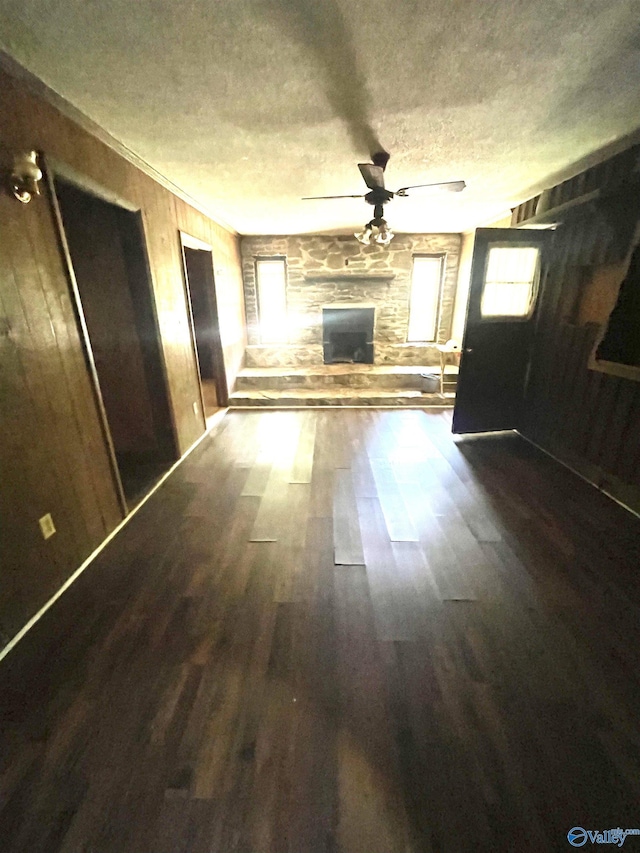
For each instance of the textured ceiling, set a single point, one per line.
(248, 105)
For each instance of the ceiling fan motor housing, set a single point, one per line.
(380, 158)
(379, 196)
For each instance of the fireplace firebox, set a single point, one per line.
(347, 335)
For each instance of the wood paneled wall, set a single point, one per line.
(53, 456)
(586, 418)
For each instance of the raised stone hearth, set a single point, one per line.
(341, 385)
(376, 399)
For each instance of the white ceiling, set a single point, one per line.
(247, 105)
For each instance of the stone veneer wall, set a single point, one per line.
(323, 271)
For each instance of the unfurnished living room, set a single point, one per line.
(319, 426)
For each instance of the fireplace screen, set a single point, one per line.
(347, 335)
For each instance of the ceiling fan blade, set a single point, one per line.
(446, 186)
(373, 175)
(318, 197)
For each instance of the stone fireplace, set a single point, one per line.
(331, 273)
(347, 334)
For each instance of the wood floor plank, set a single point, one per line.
(323, 471)
(346, 528)
(271, 518)
(398, 522)
(256, 482)
(371, 810)
(303, 461)
(390, 589)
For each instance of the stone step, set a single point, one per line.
(356, 376)
(334, 396)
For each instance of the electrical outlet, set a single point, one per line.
(195, 408)
(47, 527)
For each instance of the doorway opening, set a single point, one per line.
(205, 328)
(108, 261)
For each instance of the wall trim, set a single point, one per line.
(215, 421)
(578, 473)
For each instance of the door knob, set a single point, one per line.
(468, 349)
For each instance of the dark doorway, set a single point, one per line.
(198, 266)
(108, 259)
(347, 335)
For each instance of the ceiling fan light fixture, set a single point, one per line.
(364, 236)
(384, 236)
(376, 231)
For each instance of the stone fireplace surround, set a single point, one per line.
(324, 272)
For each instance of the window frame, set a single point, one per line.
(258, 259)
(535, 290)
(442, 257)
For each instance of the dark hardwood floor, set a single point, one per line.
(466, 679)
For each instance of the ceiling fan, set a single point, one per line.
(373, 173)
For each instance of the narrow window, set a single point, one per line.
(424, 304)
(510, 281)
(271, 277)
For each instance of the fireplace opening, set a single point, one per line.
(349, 347)
(348, 335)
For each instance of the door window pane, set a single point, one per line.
(510, 281)
(271, 277)
(424, 305)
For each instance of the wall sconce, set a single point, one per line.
(25, 176)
